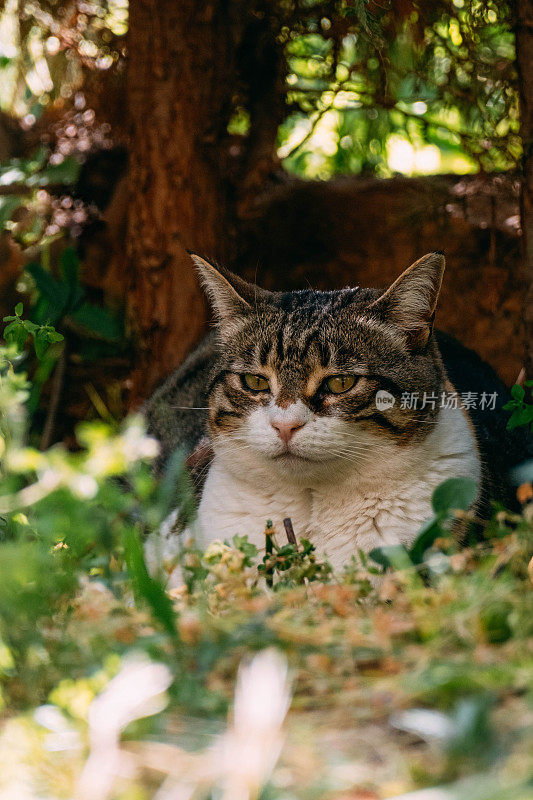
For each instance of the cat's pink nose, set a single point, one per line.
(286, 429)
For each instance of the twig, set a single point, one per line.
(312, 129)
(521, 377)
(336, 88)
(99, 404)
(57, 388)
(29, 495)
(269, 549)
(289, 530)
(15, 189)
(21, 190)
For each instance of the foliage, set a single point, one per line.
(61, 320)
(290, 564)
(371, 88)
(18, 331)
(63, 515)
(42, 219)
(449, 499)
(521, 407)
(29, 181)
(423, 88)
(57, 43)
(62, 300)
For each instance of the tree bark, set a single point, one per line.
(524, 57)
(176, 109)
(185, 75)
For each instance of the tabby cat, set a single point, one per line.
(315, 411)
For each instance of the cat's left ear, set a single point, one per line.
(411, 301)
(222, 289)
(231, 297)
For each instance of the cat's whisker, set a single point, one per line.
(349, 448)
(191, 408)
(343, 457)
(224, 450)
(198, 474)
(350, 440)
(358, 435)
(230, 451)
(350, 453)
(353, 453)
(427, 422)
(361, 447)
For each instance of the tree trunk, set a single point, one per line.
(185, 74)
(524, 55)
(176, 109)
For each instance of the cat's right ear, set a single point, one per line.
(411, 300)
(222, 289)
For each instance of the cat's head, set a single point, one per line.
(298, 372)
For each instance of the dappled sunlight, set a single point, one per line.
(409, 159)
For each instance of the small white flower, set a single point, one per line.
(249, 750)
(84, 486)
(50, 478)
(137, 691)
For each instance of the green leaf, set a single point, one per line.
(41, 311)
(57, 293)
(473, 731)
(66, 172)
(8, 205)
(76, 296)
(518, 392)
(151, 590)
(98, 322)
(40, 376)
(30, 326)
(41, 345)
(427, 534)
(522, 416)
(15, 333)
(454, 493)
(43, 338)
(494, 618)
(70, 272)
(395, 556)
(43, 281)
(250, 550)
(70, 266)
(54, 336)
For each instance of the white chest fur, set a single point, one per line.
(384, 502)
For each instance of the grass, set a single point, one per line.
(414, 678)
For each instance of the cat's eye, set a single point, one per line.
(255, 382)
(338, 384)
